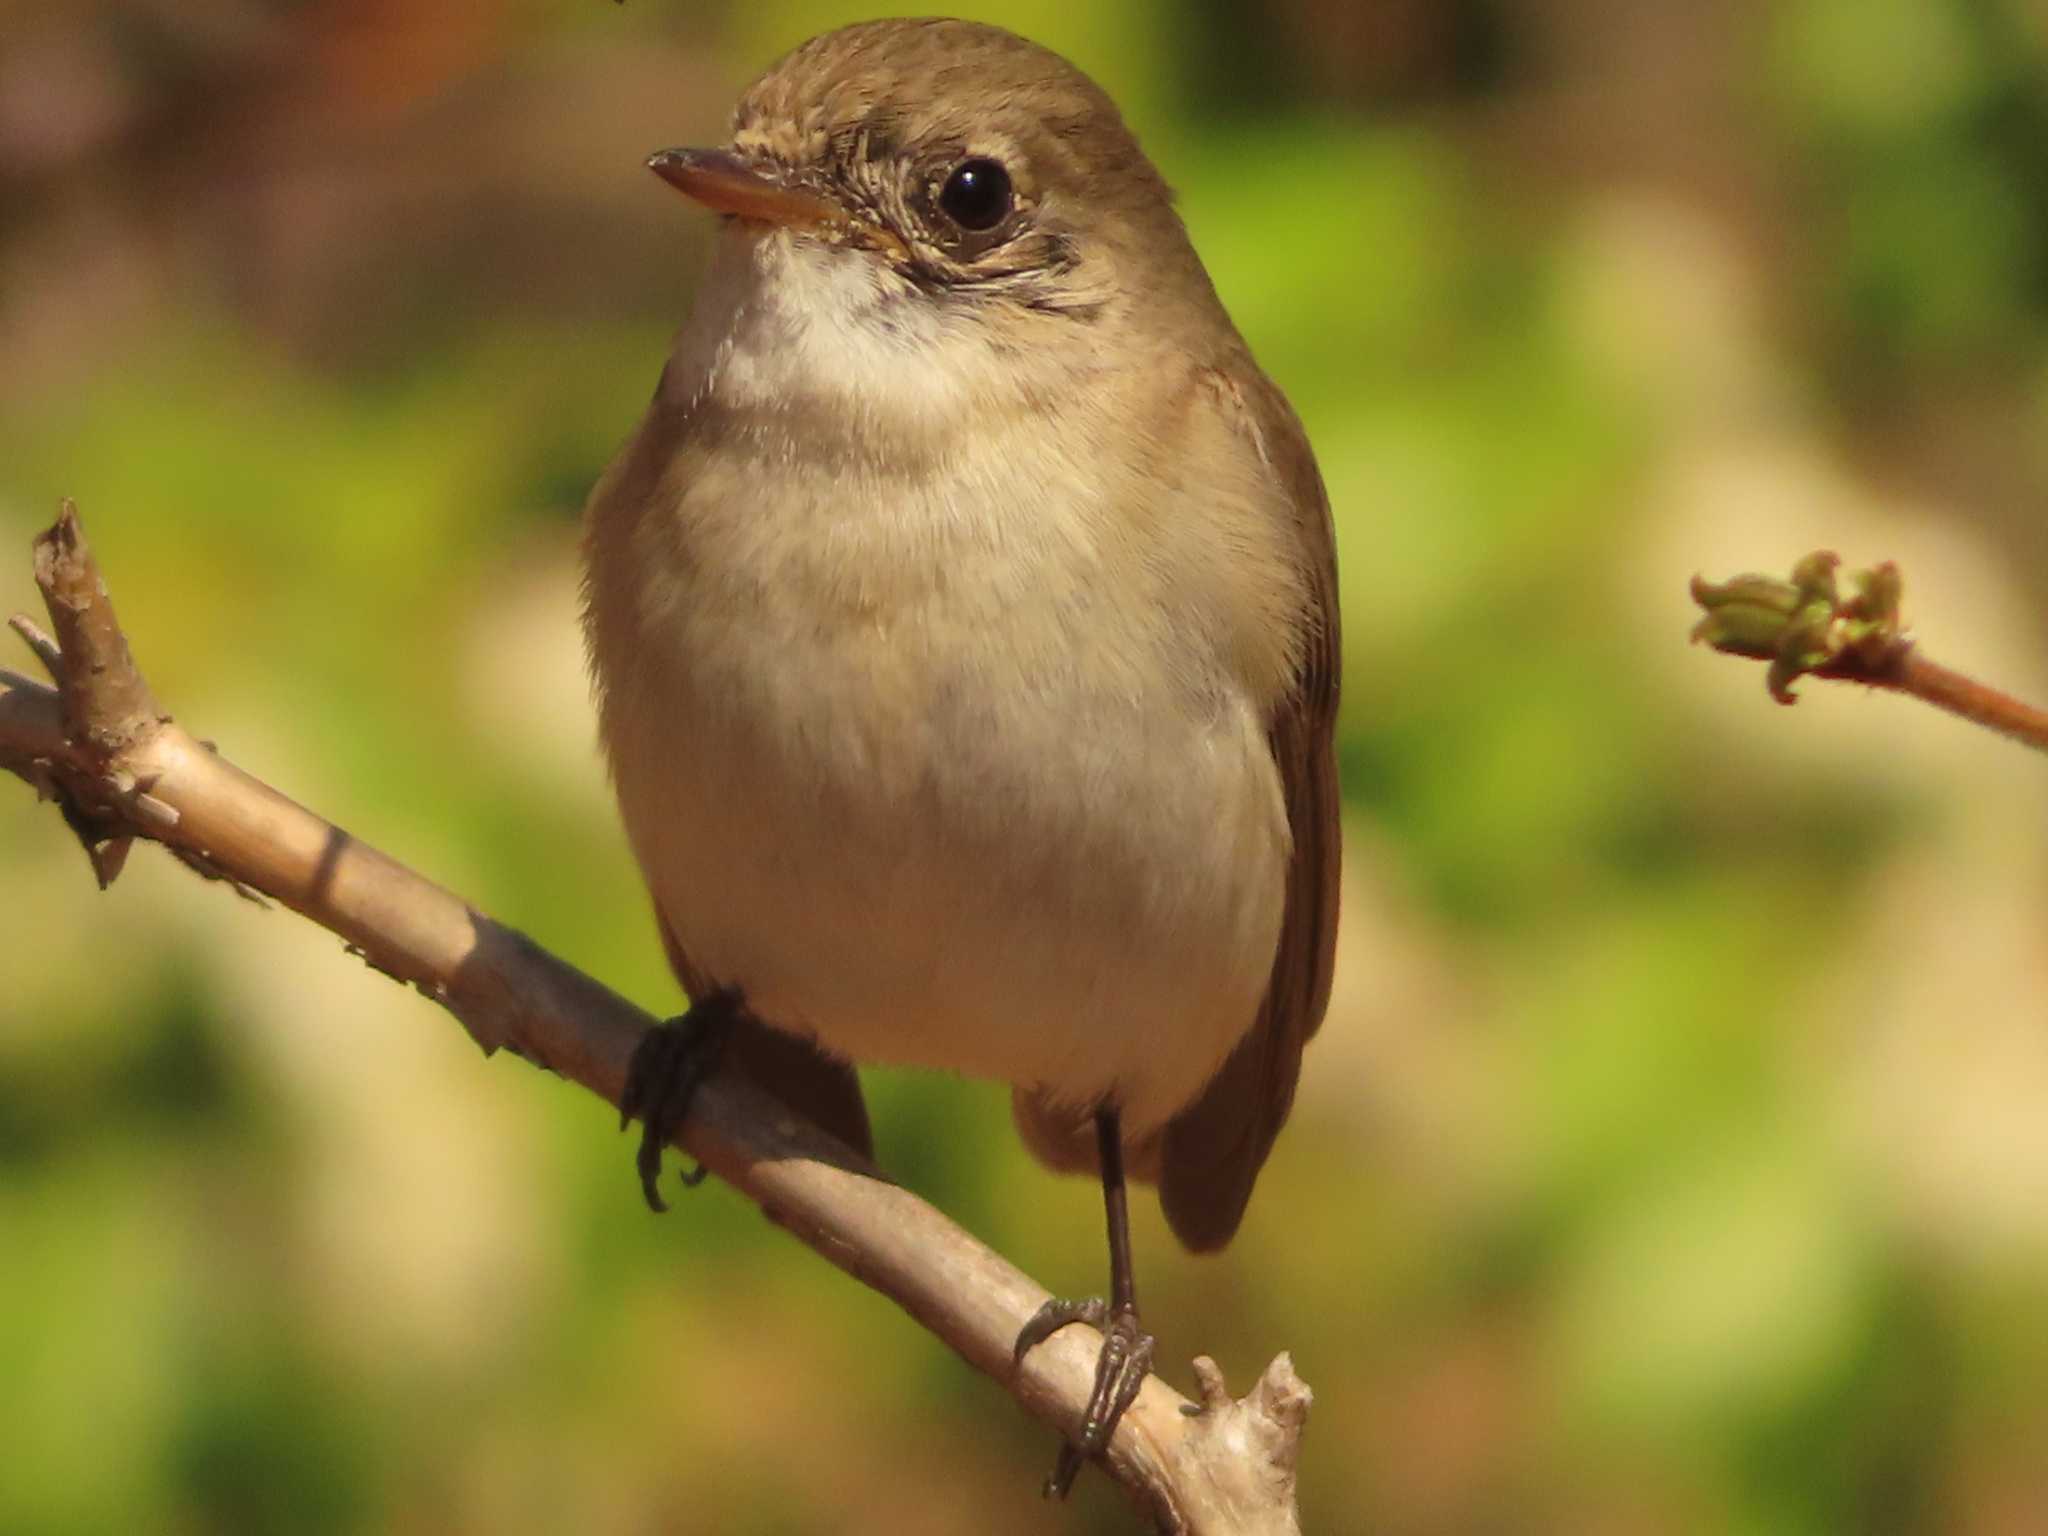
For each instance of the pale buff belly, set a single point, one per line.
(1071, 893)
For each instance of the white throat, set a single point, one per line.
(784, 323)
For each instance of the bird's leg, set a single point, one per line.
(669, 1064)
(1126, 1357)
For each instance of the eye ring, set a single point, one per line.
(978, 195)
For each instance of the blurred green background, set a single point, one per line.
(1675, 1157)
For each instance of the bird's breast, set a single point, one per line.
(908, 742)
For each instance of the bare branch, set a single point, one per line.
(123, 769)
(1804, 627)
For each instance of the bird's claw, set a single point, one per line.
(1120, 1372)
(669, 1064)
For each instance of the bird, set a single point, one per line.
(963, 623)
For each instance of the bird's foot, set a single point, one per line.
(1120, 1370)
(669, 1064)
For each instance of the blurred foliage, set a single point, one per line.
(1673, 1158)
(1925, 127)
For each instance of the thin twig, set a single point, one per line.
(124, 770)
(1980, 703)
(46, 649)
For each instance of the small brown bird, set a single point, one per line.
(964, 622)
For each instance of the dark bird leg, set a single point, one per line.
(669, 1064)
(1126, 1358)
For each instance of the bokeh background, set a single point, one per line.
(1675, 1157)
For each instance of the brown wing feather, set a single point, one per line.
(1213, 1150)
(820, 1086)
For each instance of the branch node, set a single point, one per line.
(1209, 1382)
(1240, 1455)
(108, 708)
(109, 857)
(1284, 1400)
(159, 816)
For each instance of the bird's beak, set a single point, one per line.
(725, 183)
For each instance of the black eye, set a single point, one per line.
(977, 195)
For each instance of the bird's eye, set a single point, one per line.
(977, 195)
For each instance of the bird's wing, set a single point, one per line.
(1213, 1150)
